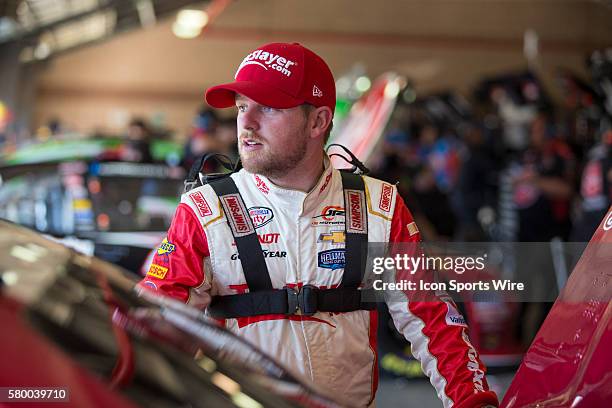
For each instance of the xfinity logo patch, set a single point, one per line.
(260, 216)
(267, 60)
(332, 259)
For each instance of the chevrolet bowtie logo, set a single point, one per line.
(336, 237)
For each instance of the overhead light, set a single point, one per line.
(189, 23)
(10, 278)
(42, 51)
(193, 18)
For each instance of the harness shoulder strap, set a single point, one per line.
(243, 231)
(356, 229)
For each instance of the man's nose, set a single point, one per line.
(248, 119)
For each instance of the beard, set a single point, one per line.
(273, 161)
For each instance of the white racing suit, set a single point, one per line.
(302, 236)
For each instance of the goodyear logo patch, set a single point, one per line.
(157, 271)
(332, 259)
(166, 247)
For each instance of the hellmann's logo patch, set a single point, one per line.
(332, 259)
(267, 60)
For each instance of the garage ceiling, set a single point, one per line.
(47, 28)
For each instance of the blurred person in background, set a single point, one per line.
(203, 140)
(543, 184)
(137, 146)
(288, 190)
(476, 186)
(595, 189)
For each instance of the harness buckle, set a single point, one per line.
(292, 301)
(307, 300)
(304, 300)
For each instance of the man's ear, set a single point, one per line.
(322, 120)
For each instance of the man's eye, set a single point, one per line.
(267, 109)
(241, 108)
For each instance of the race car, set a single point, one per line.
(75, 331)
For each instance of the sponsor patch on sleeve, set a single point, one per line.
(166, 247)
(385, 197)
(412, 228)
(157, 271)
(453, 317)
(200, 203)
(150, 284)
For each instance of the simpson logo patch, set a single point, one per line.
(239, 220)
(260, 216)
(355, 212)
(200, 203)
(385, 198)
(166, 247)
(332, 259)
(157, 271)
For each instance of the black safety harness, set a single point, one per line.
(262, 298)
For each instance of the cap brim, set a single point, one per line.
(224, 96)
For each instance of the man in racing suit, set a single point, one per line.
(295, 202)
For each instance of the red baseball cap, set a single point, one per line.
(279, 75)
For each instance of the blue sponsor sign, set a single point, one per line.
(332, 259)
